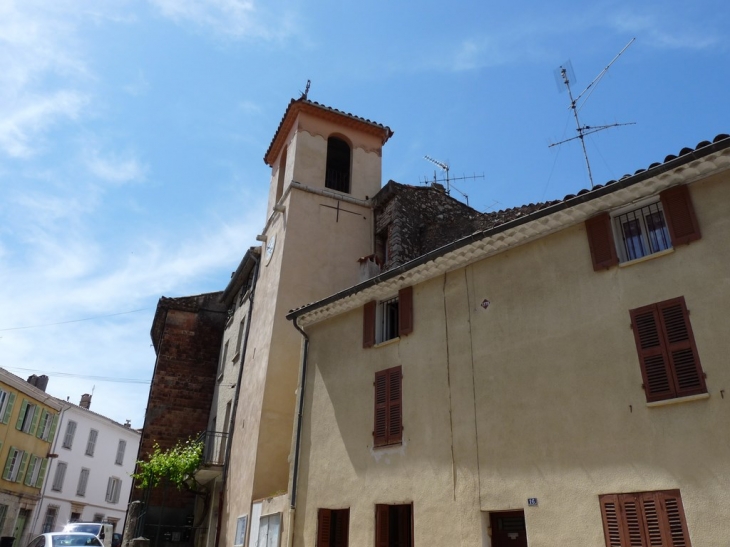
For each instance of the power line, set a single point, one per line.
(74, 320)
(84, 376)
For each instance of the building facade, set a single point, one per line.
(28, 423)
(541, 382)
(89, 478)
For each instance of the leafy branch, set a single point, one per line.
(176, 465)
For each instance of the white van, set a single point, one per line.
(103, 530)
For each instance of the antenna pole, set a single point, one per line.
(579, 127)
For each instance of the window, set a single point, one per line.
(337, 175)
(269, 531)
(46, 427)
(15, 465)
(6, 405)
(3, 514)
(240, 531)
(393, 525)
(68, 439)
(113, 487)
(49, 521)
(98, 517)
(34, 470)
(91, 443)
(388, 427)
(239, 339)
(28, 417)
(388, 319)
(121, 447)
(670, 365)
(83, 481)
(333, 527)
(222, 362)
(75, 517)
(59, 476)
(644, 518)
(281, 176)
(643, 230)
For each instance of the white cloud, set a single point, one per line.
(658, 30)
(115, 168)
(236, 19)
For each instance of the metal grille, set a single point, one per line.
(643, 232)
(389, 319)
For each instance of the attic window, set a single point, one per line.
(337, 175)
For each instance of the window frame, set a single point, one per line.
(113, 489)
(656, 516)
(327, 519)
(59, 476)
(372, 318)
(83, 482)
(68, 437)
(91, 442)
(335, 177)
(240, 537)
(383, 524)
(49, 526)
(668, 357)
(388, 407)
(121, 449)
(643, 209)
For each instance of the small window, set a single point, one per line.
(83, 481)
(15, 465)
(68, 439)
(333, 527)
(269, 529)
(59, 476)
(644, 518)
(98, 517)
(280, 179)
(670, 365)
(388, 319)
(388, 421)
(28, 417)
(34, 470)
(4, 400)
(49, 521)
(642, 232)
(239, 338)
(121, 447)
(394, 525)
(222, 362)
(3, 515)
(113, 487)
(337, 176)
(91, 443)
(240, 531)
(45, 426)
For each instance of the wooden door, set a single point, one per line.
(508, 529)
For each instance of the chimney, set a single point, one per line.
(41, 382)
(128, 423)
(85, 401)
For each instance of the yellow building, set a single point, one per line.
(540, 382)
(28, 421)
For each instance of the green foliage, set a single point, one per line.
(175, 465)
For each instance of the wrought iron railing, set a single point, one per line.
(214, 447)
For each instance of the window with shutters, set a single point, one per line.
(388, 422)
(59, 476)
(644, 519)
(91, 443)
(670, 365)
(3, 515)
(49, 521)
(28, 418)
(643, 229)
(15, 465)
(121, 448)
(388, 319)
(394, 525)
(4, 400)
(83, 481)
(68, 438)
(333, 527)
(113, 488)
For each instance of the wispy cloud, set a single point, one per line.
(116, 168)
(235, 19)
(662, 31)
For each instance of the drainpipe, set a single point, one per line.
(231, 423)
(302, 380)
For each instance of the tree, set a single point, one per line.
(176, 465)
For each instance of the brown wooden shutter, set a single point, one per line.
(612, 530)
(675, 522)
(680, 215)
(395, 405)
(343, 528)
(368, 325)
(405, 311)
(600, 241)
(653, 357)
(684, 360)
(380, 431)
(324, 524)
(382, 526)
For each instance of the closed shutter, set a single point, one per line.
(395, 404)
(644, 519)
(368, 325)
(9, 463)
(670, 364)
(324, 523)
(45, 415)
(9, 408)
(600, 241)
(31, 470)
(405, 311)
(42, 474)
(382, 526)
(380, 431)
(680, 213)
(342, 530)
(36, 417)
(54, 425)
(21, 415)
(23, 467)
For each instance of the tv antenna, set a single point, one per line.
(447, 179)
(565, 73)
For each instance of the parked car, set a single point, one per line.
(102, 530)
(116, 540)
(66, 539)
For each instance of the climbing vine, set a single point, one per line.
(176, 465)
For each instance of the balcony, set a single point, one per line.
(214, 455)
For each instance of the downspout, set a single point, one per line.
(231, 423)
(297, 441)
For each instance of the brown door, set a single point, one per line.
(508, 529)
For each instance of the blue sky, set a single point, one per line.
(132, 135)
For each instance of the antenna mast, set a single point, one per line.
(584, 130)
(448, 180)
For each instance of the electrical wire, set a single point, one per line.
(74, 320)
(84, 376)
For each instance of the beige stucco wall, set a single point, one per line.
(315, 255)
(538, 396)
